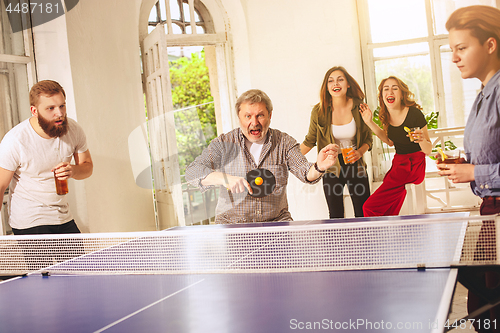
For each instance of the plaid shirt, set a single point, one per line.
(229, 154)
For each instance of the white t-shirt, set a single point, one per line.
(255, 148)
(33, 200)
(344, 132)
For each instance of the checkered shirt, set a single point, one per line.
(229, 154)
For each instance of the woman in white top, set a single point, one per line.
(336, 118)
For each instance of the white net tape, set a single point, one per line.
(212, 249)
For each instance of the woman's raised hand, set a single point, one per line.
(366, 113)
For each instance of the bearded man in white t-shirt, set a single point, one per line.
(35, 151)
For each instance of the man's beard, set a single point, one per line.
(51, 129)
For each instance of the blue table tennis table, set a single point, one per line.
(386, 300)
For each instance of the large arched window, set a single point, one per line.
(408, 39)
(179, 21)
(188, 94)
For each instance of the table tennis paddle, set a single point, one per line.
(262, 182)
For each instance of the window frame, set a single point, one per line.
(434, 42)
(15, 117)
(28, 59)
(218, 56)
(221, 59)
(195, 7)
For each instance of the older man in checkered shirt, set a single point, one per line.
(229, 157)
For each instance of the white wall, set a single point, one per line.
(53, 63)
(106, 76)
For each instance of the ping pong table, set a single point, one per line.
(414, 299)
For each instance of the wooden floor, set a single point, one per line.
(459, 310)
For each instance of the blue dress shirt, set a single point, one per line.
(482, 139)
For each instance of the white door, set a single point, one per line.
(166, 175)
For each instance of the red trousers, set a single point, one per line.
(389, 197)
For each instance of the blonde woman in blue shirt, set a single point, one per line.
(474, 36)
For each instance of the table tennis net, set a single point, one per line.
(417, 243)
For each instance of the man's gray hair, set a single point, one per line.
(254, 96)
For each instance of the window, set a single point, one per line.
(179, 21)
(16, 68)
(16, 76)
(408, 39)
(194, 98)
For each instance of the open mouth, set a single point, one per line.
(59, 122)
(390, 99)
(255, 132)
(336, 89)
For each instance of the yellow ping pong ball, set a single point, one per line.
(258, 181)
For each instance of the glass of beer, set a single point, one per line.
(451, 157)
(346, 147)
(61, 185)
